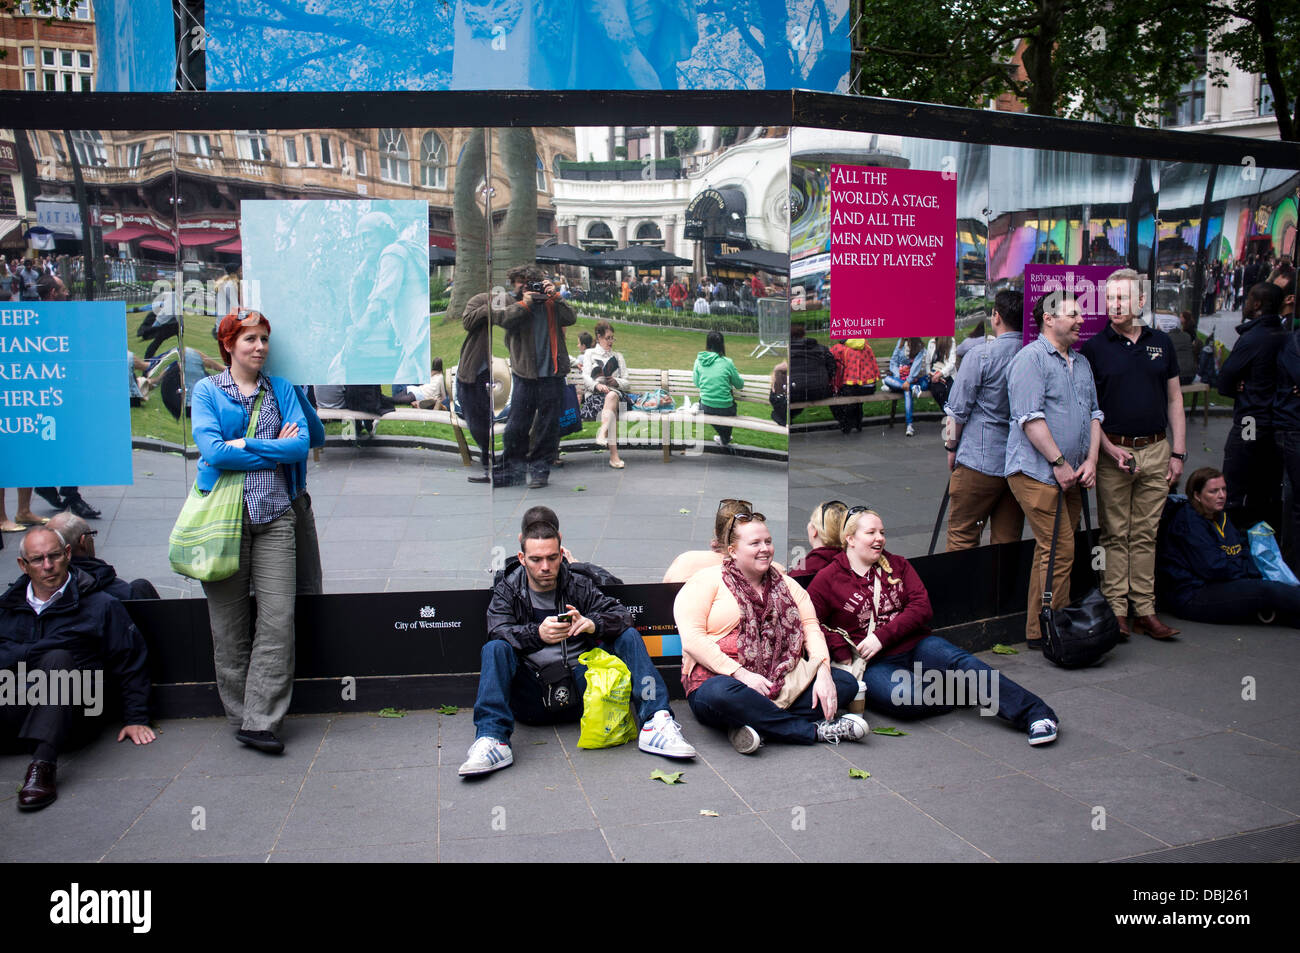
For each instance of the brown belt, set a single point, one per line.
(1135, 443)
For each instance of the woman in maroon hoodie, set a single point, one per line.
(872, 604)
(824, 538)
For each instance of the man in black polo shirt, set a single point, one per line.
(1136, 369)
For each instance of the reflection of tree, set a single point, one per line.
(329, 44)
(471, 228)
(790, 51)
(517, 242)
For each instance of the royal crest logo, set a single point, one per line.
(427, 612)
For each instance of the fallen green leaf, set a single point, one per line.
(893, 732)
(539, 742)
(148, 473)
(392, 713)
(448, 709)
(579, 489)
(667, 778)
(684, 512)
(859, 773)
(1001, 649)
(709, 813)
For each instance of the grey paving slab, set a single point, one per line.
(366, 741)
(568, 847)
(874, 830)
(620, 788)
(81, 826)
(536, 796)
(719, 840)
(999, 740)
(1018, 818)
(923, 757)
(372, 504)
(113, 858)
(418, 853)
(177, 743)
(238, 815)
(362, 809)
(222, 756)
(1125, 720)
(346, 529)
(1280, 731)
(1167, 802)
(1216, 694)
(1265, 771)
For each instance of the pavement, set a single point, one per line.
(1192, 742)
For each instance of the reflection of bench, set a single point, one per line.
(1196, 390)
(457, 423)
(679, 384)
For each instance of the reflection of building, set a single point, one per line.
(128, 178)
(54, 56)
(12, 195)
(719, 199)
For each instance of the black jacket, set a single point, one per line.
(1286, 401)
(1249, 375)
(104, 577)
(93, 626)
(510, 613)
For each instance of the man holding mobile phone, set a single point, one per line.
(541, 618)
(1143, 449)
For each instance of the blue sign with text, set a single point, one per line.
(65, 417)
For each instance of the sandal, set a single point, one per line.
(616, 464)
(30, 520)
(9, 526)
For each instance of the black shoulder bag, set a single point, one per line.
(1085, 630)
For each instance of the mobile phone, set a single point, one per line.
(564, 617)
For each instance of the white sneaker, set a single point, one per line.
(662, 735)
(744, 739)
(911, 431)
(487, 754)
(717, 440)
(1042, 732)
(916, 391)
(843, 728)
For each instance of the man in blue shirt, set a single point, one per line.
(977, 437)
(1053, 442)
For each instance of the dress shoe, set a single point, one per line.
(537, 483)
(481, 477)
(1153, 627)
(261, 740)
(83, 509)
(39, 789)
(1124, 630)
(51, 496)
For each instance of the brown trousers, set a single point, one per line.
(978, 499)
(1038, 500)
(1128, 509)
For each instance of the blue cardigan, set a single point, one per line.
(217, 417)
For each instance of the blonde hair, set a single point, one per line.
(828, 519)
(851, 526)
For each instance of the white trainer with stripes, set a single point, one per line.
(487, 754)
(662, 735)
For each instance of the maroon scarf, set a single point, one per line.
(769, 636)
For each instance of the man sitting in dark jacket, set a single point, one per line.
(81, 538)
(56, 636)
(541, 618)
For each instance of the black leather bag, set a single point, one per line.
(1085, 630)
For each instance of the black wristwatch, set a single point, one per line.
(1059, 461)
(1178, 456)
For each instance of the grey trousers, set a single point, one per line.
(255, 669)
(310, 576)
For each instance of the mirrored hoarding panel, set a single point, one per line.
(89, 338)
(644, 300)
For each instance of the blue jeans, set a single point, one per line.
(506, 691)
(726, 702)
(543, 398)
(891, 687)
(893, 383)
(1240, 602)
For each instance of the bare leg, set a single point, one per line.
(608, 422)
(24, 512)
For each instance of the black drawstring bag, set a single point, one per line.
(1085, 630)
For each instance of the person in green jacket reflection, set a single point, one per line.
(716, 377)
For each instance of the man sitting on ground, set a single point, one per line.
(50, 623)
(540, 619)
(82, 540)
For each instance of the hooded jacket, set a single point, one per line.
(1252, 365)
(715, 375)
(103, 577)
(510, 616)
(842, 599)
(93, 626)
(537, 348)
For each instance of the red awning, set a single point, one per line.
(442, 241)
(159, 244)
(231, 248)
(129, 233)
(191, 237)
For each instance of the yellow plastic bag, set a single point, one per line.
(606, 718)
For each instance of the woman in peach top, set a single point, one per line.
(754, 661)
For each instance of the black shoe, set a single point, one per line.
(261, 740)
(1034, 645)
(536, 483)
(51, 496)
(483, 477)
(39, 787)
(500, 479)
(83, 509)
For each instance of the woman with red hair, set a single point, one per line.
(254, 668)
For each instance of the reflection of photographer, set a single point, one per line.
(539, 360)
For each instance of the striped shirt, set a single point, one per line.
(979, 403)
(1044, 385)
(266, 492)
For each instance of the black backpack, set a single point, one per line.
(812, 368)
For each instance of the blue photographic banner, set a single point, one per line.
(345, 285)
(136, 46)
(340, 45)
(65, 416)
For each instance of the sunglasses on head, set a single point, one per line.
(746, 517)
(853, 511)
(248, 318)
(729, 502)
